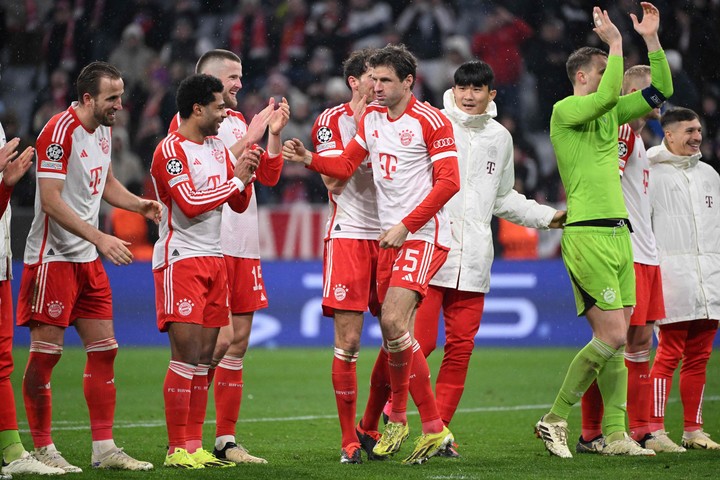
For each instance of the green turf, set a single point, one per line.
(288, 417)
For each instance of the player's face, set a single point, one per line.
(389, 89)
(684, 138)
(108, 101)
(230, 74)
(471, 99)
(213, 115)
(595, 72)
(366, 84)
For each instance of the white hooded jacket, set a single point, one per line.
(685, 201)
(487, 177)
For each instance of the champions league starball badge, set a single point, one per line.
(174, 166)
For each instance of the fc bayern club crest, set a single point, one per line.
(174, 166)
(105, 145)
(406, 137)
(324, 134)
(54, 152)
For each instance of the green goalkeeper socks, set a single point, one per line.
(612, 382)
(10, 446)
(582, 371)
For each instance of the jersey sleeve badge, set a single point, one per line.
(174, 166)
(54, 152)
(324, 134)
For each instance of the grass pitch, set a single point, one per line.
(288, 416)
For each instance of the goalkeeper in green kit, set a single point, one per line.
(596, 244)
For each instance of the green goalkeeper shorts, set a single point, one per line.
(599, 261)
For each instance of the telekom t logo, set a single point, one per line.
(709, 201)
(214, 181)
(646, 177)
(95, 179)
(388, 164)
(490, 167)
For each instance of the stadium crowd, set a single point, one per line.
(294, 48)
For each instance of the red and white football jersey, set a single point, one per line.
(67, 151)
(635, 171)
(192, 182)
(353, 213)
(240, 230)
(402, 152)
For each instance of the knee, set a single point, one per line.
(221, 347)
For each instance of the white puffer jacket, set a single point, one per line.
(487, 177)
(685, 200)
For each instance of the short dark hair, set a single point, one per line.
(580, 58)
(89, 79)
(196, 89)
(357, 64)
(213, 55)
(476, 73)
(399, 58)
(677, 114)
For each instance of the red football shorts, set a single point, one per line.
(247, 288)
(350, 266)
(192, 290)
(650, 303)
(58, 293)
(411, 266)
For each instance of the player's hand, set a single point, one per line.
(14, 171)
(248, 163)
(279, 118)
(256, 129)
(151, 210)
(294, 151)
(604, 28)
(650, 23)
(358, 108)
(558, 220)
(114, 249)
(395, 237)
(8, 152)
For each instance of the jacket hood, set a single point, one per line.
(660, 154)
(464, 119)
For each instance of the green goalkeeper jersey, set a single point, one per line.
(584, 134)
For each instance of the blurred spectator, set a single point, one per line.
(184, 46)
(310, 76)
(126, 165)
(153, 20)
(62, 44)
(423, 27)
(366, 23)
(545, 58)
(291, 19)
(697, 40)
(154, 118)
(51, 99)
(323, 28)
(516, 241)
(456, 51)
(685, 94)
(132, 57)
(248, 37)
(498, 44)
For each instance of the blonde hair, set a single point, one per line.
(634, 74)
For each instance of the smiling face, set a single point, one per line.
(108, 101)
(473, 100)
(212, 116)
(684, 138)
(230, 74)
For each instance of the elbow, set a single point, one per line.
(336, 190)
